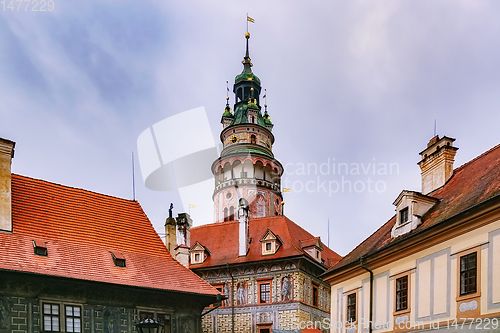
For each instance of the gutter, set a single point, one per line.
(370, 323)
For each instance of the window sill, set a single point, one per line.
(401, 312)
(468, 296)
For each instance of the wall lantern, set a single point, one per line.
(149, 325)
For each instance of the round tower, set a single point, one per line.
(246, 167)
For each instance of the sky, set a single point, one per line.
(355, 84)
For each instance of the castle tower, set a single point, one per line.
(246, 167)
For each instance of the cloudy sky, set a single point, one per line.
(356, 82)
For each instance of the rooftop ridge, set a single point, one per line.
(458, 169)
(74, 188)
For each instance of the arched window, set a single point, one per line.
(253, 139)
(226, 217)
(253, 119)
(231, 213)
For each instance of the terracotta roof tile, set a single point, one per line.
(471, 184)
(81, 229)
(221, 239)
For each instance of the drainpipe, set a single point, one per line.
(232, 298)
(361, 262)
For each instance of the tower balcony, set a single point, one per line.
(247, 182)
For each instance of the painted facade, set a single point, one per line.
(266, 265)
(436, 264)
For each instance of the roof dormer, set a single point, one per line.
(313, 247)
(270, 243)
(198, 253)
(410, 207)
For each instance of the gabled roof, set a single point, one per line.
(199, 247)
(81, 229)
(316, 241)
(222, 240)
(470, 185)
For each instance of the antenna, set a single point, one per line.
(133, 177)
(328, 232)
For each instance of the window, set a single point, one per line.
(468, 274)
(40, 248)
(226, 217)
(73, 319)
(402, 293)
(118, 259)
(265, 292)
(51, 317)
(403, 215)
(253, 139)
(351, 307)
(197, 257)
(315, 295)
(268, 246)
(231, 213)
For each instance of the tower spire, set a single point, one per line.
(247, 63)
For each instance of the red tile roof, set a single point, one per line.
(81, 229)
(221, 239)
(471, 184)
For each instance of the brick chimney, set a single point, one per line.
(184, 224)
(6, 155)
(437, 163)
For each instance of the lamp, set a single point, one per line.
(149, 325)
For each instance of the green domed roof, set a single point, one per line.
(227, 112)
(245, 76)
(267, 118)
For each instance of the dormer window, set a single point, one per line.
(410, 207)
(118, 259)
(270, 243)
(403, 215)
(313, 247)
(40, 248)
(198, 254)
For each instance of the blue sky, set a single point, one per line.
(357, 82)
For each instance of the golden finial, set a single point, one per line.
(247, 35)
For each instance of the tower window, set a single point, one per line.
(226, 217)
(231, 213)
(252, 119)
(253, 139)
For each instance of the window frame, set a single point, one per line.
(347, 307)
(62, 317)
(263, 282)
(315, 295)
(477, 293)
(405, 211)
(395, 277)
